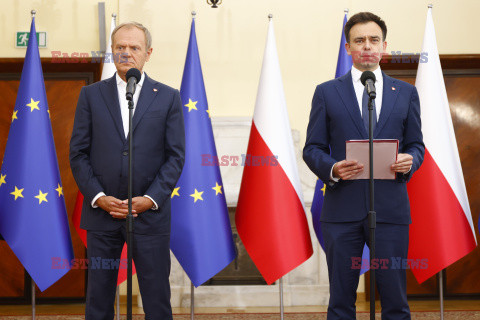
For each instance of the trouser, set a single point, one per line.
(344, 244)
(151, 254)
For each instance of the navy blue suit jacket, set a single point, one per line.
(335, 117)
(99, 152)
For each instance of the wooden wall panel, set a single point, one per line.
(62, 83)
(463, 277)
(12, 279)
(62, 98)
(12, 283)
(462, 81)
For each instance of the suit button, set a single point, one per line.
(125, 153)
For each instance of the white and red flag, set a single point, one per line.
(442, 228)
(270, 217)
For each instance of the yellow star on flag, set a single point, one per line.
(33, 105)
(208, 111)
(14, 115)
(41, 197)
(175, 192)
(2, 179)
(59, 190)
(17, 193)
(323, 189)
(217, 188)
(191, 105)
(197, 195)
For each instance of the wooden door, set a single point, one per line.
(462, 81)
(62, 83)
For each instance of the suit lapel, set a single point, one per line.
(110, 96)
(148, 93)
(390, 93)
(347, 93)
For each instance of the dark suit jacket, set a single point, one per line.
(99, 152)
(335, 117)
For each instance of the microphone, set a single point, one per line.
(133, 77)
(368, 80)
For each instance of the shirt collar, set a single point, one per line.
(356, 74)
(120, 81)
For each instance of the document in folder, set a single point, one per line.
(384, 155)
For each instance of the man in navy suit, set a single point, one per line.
(99, 162)
(339, 113)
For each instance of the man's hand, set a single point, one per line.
(139, 204)
(403, 164)
(346, 169)
(114, 206)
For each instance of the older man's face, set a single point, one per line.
(129, 49)
(366, 45)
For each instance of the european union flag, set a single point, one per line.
(344, 61)
(201, 236)
(33, 218)
(316, 210)
(344, 64)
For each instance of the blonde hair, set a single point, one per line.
(131, 24)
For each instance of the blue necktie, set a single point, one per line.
(365, 111)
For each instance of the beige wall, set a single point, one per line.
(232, 38)
(72, 25)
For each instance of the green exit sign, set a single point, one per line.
(21, 39)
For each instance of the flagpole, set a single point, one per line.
(33, 282)
(33, 12)
(192, 287)
(270, 17)
(372, 216)
(114, 16)
(118, 302)
(440, 274)
(192, 300)
(281, 298)
(440, 288)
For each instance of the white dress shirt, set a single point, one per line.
(122, 91)
(359, 88)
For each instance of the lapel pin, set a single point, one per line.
(155, 90)
(393, 88)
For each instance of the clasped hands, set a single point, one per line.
(119, 208)
(346, 170)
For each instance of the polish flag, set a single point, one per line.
(108, 71)
(76, 217)
(442, 229)
(270, 217)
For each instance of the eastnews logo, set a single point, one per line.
(94, 263)
(396, 57)
(243, 160)
(81, 57)
(390, 263)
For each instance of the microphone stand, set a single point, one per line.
(372, 216)
(130, 216)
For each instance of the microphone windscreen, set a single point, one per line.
(134, 72)
(365, 76)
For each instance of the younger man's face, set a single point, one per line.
(366, 46)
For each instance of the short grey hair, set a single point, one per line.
(131, 24)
